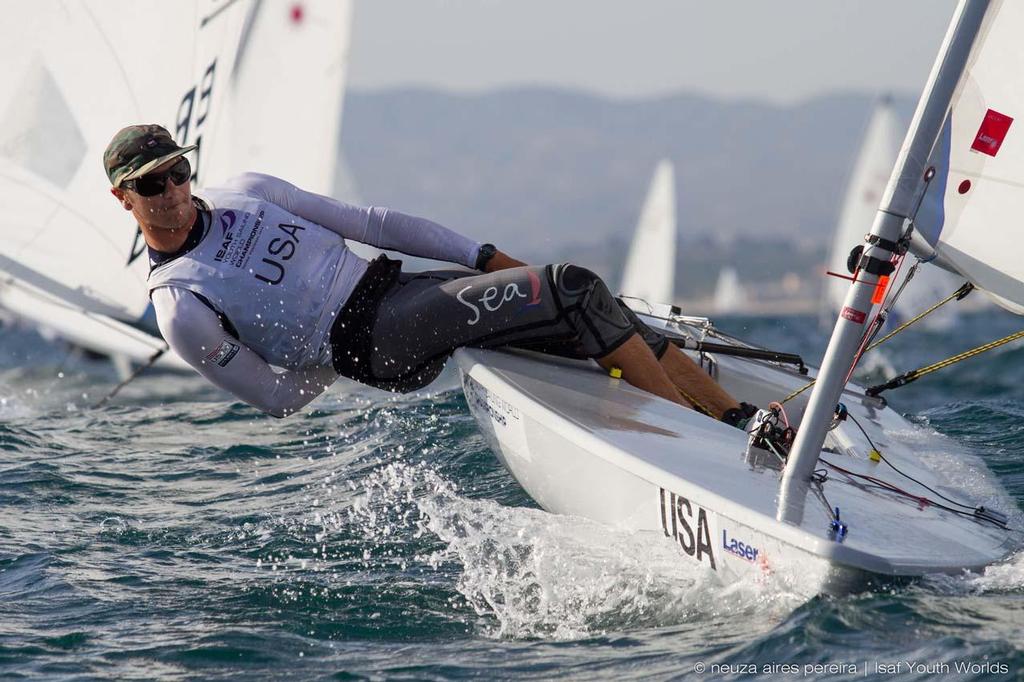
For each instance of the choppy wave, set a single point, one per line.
(175, 533)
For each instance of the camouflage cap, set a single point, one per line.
(138, 149)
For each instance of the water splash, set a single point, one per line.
(531, 574)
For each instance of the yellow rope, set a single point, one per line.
(798, 391)
(965, 355)
(696, 403)
(958, 293)
(906, 324)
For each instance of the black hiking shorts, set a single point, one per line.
(398, 329)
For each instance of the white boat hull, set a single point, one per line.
(582, 443)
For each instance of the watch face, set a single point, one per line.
(485, 253)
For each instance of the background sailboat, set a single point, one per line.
(257, 85)
(730, 296)
(649, 272)
(863, 192)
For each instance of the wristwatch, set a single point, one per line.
(485, 254)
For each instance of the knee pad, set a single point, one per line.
(656, 341)
(589, 307)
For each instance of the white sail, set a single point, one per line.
(863, 192)
(973, 202)
(74, 73)
(650, 266)
(870, 174)
(286, 94)
(730, 296)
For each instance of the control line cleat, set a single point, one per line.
(739, 417)
(768, 432)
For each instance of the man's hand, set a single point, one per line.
(501, 261)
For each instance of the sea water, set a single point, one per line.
(176, 533)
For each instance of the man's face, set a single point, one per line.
(170, 209)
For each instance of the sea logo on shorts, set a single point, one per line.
(222, 354)
(491, 300)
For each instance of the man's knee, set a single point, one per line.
(574, 279)
(575, 285)
(591, 309)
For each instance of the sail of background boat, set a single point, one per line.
(70, 259)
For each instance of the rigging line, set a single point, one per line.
(928, 176)
(908, 476)
(107, 323)
(96, 317)
(958, 294)
(114, 54)
(139, 370)
(215, 13)
(820, 490)
(891, 297)
(61, 204)
(868, 335)
(798, 391)
(886, 305)
(699, 406)
(919, 499)
(913, 375)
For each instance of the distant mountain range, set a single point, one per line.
(554, 174)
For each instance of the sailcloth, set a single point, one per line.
(650, 266)
(863, 192)
(971, 207)
(286, 94)
(74, 73)
(870, 174)
(730, 296)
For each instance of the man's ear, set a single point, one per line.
(121, 197)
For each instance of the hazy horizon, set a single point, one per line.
(782, 52)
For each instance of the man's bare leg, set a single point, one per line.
(640, 367)
(695, 382)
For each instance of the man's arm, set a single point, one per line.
(502, 261)
(195, 333)
(380, 227)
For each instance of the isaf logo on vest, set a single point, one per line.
(232, 249)
(227, 221)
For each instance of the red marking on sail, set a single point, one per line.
(992, 132)
(853, 315)
(879, 294)
(297, 13)
(964, 187)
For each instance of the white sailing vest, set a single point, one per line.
(278, 278)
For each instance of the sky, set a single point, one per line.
(782, 51)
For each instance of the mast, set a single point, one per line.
(896, 207)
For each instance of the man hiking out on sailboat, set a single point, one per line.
(255, 274)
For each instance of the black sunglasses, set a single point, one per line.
(152, 184)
